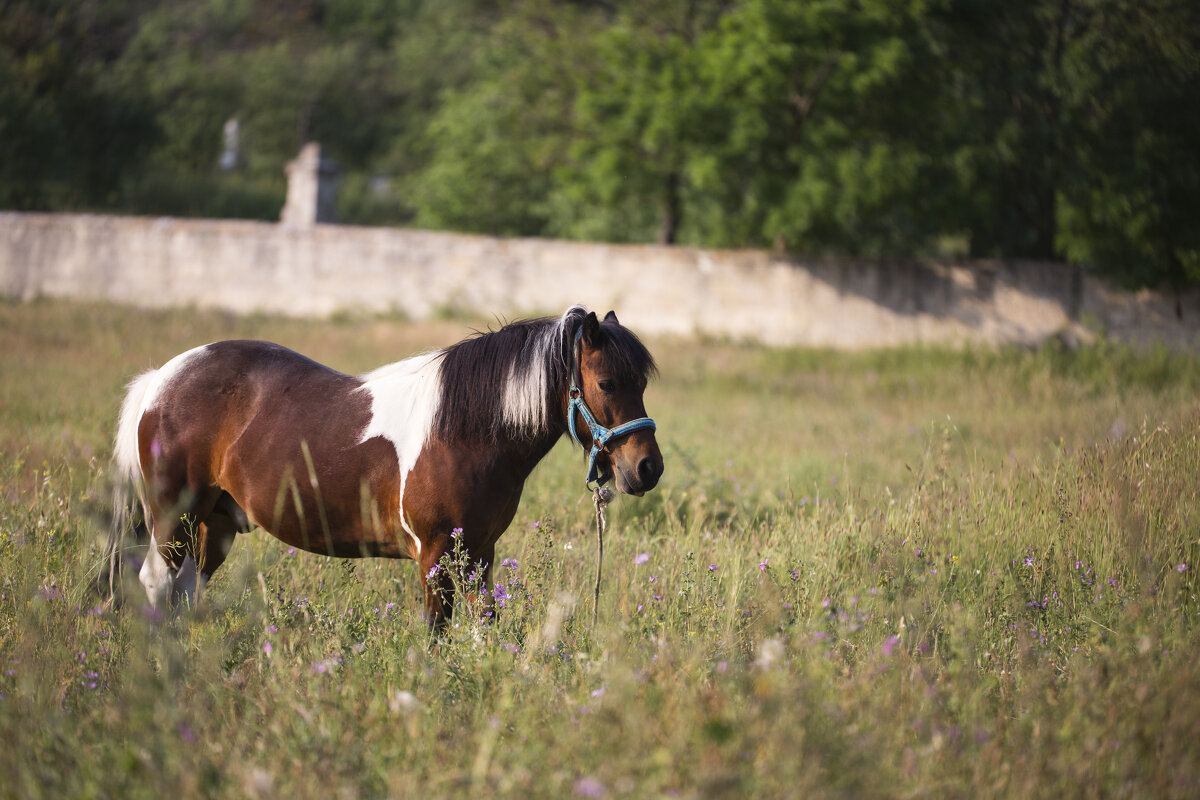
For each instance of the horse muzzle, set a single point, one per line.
(641, 476)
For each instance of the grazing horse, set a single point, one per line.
(241, 434)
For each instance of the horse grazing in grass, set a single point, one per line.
(241, 434)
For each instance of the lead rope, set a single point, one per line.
(601, 496)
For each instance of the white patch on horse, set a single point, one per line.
(524, 401)
(404, 401)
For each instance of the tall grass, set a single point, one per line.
(898, 573)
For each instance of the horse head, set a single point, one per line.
(613, 370)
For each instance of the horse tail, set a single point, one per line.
(128, 484)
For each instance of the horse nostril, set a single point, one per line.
(648, 471)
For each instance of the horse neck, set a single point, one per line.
(524, 452)
(536, 447)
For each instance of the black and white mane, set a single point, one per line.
(511, 383)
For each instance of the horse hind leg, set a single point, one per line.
(214, 541)
(178, 563)
(165, 559)
(208, 546)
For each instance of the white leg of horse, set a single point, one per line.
(155, 576)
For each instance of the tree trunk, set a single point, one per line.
(671, 210)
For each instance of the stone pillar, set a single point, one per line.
(312, 184)
(230, 152)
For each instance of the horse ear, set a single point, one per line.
(591, 330)
(611, 316)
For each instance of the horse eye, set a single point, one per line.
(608, 387)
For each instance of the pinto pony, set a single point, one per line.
(241, 434)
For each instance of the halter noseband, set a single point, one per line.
(601, 435)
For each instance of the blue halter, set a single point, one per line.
(601, 435)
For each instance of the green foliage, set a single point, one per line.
(1132, 204)
(495, 142)
(871, 574)
(1044, 130)
(638, 119)
(68, 129)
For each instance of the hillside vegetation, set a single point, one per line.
(880, 128)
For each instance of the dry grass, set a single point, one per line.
(899, 573)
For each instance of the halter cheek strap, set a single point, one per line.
(601, 435)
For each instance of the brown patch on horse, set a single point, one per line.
(279, 434)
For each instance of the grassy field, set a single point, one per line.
(906, 573)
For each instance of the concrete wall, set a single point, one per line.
(252, 266)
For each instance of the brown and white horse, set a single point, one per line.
(239, 434)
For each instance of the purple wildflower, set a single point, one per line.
(1181, 568)
(590, 787)
(762, 567)
(267, 648)
(889, 644)
(511, 563)
(712, 567)
(641, 558)
(501, 595)
(432, 572)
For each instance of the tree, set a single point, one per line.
(68, 131)
(1046, 129)
(637, 124)
(1132, 204)
(494, 144)
(821, 116)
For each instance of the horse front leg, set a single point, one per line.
(438, 585)
(485, 596)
